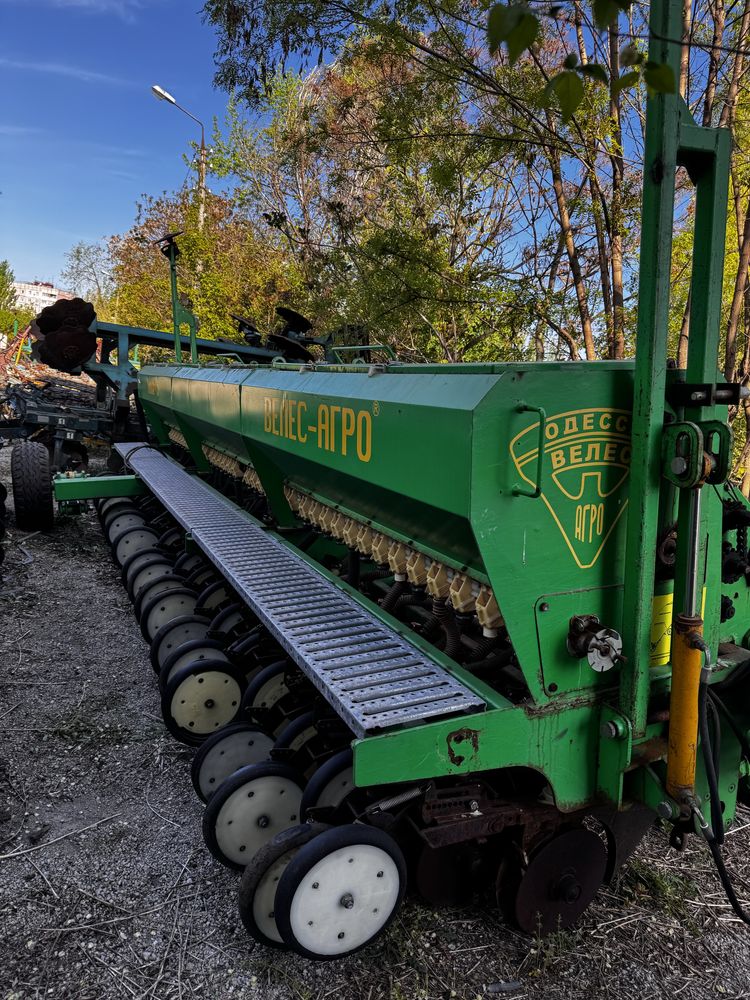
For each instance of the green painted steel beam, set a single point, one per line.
(97, 487)
(660, 164)
(560, 745)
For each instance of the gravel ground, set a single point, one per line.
(106, 889)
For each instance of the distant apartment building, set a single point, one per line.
(38, 294)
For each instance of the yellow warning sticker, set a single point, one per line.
(661, 628)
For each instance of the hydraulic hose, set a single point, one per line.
(709, 762)
(411, 600)
(484, 648)
(353, 570)
(395, 591)
(714, 834)
(447, 619)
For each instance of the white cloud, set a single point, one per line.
(62, 69)
(124, 9)
(18, 130)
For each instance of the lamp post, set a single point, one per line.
(163, 95)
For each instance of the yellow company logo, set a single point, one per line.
(334, 428)
(584, 467)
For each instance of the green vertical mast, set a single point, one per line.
(672, 139)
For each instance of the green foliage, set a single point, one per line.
(567, 87)
(7, 291)
(10, 312)
(515, 26)
(659, 78)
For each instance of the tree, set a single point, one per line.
(224, 269)
(10, 312)
(573, 198)
(7, 290)
(88, 273)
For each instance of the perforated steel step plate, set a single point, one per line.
(374, 678)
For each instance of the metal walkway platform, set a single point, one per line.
(374, 678)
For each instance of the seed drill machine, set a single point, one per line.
(452, 624)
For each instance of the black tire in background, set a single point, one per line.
(32, 486)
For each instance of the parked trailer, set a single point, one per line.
(452, 624)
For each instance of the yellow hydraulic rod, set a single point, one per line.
(687, 663)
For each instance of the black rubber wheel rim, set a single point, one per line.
(143, 576)
(214, 597)
(266, 864)
(317, 862)
(164, 608)
(172, 540)
(31, 478)
(190, 653)
(322, 797)
(208, 694)
(110, 504)
(201, 577)
(209, 770)
(231, 621)
(172, 635)
(269, 700)
(227, 805)
(134, 540)
(136, 561)
(159, 585)
(188, 563)
(118, 513)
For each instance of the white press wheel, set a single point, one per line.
(136, 563)
(132, 541)
(257, 896)
(174, 634)
(147, 575)
(224, 753)
(195, 652)
(121, 523)
(330, 786)
(248, 809)
(201, 699)
(150, 589)
(164, 608)
(340, 891)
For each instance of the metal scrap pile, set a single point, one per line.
(26, 383)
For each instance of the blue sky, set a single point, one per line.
(81, 136)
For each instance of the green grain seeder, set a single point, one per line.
(480, 624)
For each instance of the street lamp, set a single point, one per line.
(162, 95)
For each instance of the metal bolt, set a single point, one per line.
(679, 466)
(347, 901)
(665, 810)
(610, 730)
(474, 806)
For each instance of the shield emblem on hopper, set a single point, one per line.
(584, 474)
